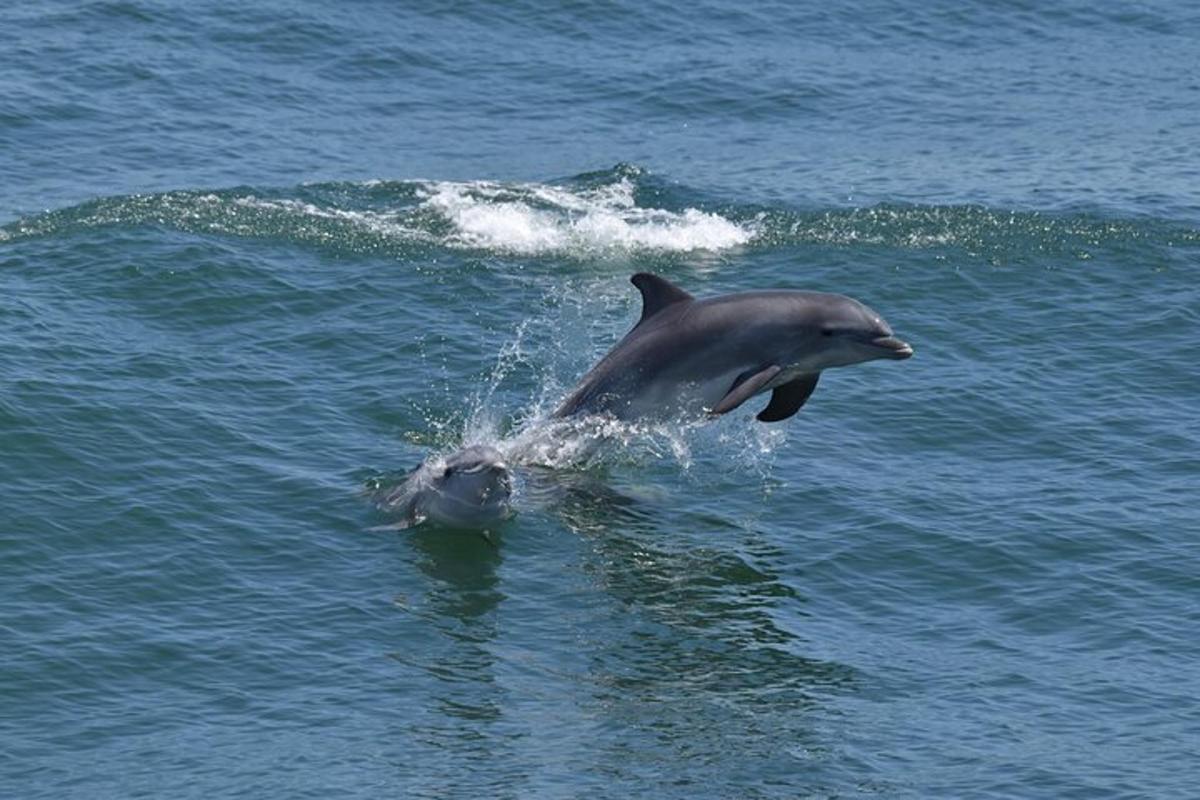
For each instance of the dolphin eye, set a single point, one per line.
(827, 331)
(446, 473)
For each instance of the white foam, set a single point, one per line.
(536, 219)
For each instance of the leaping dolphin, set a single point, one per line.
(691, 357)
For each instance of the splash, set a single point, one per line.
(537, 439)
(590, 442)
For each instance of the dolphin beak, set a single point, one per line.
(895, 348)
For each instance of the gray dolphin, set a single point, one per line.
(690, 357)
(469, 488)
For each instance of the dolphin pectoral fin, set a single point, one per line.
(787, 399)
(744, 387)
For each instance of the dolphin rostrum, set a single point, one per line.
(691, 357)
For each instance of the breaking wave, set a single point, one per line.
(623, 211)
(586, 216)
(538, 218)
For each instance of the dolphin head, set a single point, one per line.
(832, 330)
(469, 488)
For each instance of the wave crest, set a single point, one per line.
(617, 212)
(538, 218)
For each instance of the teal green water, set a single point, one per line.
(291, 252)
(976, 564)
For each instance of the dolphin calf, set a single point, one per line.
(469, 488)
(691, 357)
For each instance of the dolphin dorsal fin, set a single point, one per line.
(657, 294)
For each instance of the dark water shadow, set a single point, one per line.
(463, 564)
(452, 716)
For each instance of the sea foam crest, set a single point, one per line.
(537, 218)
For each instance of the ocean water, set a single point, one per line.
(258, 259)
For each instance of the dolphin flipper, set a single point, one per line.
(748, 384)
(787, 398)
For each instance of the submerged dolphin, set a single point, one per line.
(469, 488)
(690, 357)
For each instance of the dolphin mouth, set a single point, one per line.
(895, 348)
